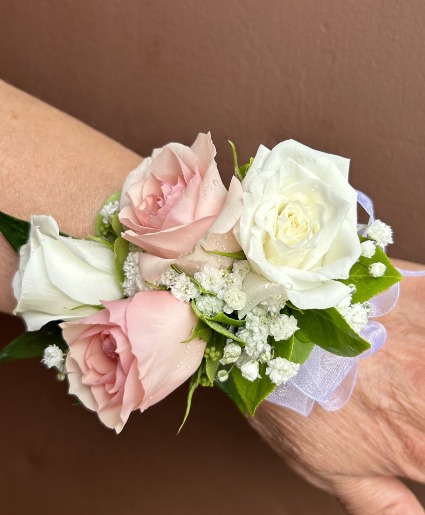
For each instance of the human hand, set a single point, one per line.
(357, 453)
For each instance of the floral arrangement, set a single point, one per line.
(266, 290)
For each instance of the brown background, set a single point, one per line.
(345, 77)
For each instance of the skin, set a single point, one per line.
(62, 167)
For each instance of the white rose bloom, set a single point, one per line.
(298, 227)
(57, 274)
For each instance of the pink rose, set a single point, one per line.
(171, 201)
(130, 355)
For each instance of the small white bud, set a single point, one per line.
(235, 299)
(368, 248)
(250, 370)
(280, 370)
(53, 357)
(222, 375)
(377, 269)
(355, 315)
(260, 350)
(231, 353)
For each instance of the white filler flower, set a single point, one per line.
(380, 232)
(298, 227)
(57, 275)
(209, 305)
(133, 281)
(250, 370)
(368, 248)
(231, 353)
(280, 370)
(377, 269)
(222, 375)
(53, 357)
(108, 210)
(356, 315)
(283, 327)
(183, 289)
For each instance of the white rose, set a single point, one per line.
(57, 274)
(298, 227)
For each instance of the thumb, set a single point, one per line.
(378, 495)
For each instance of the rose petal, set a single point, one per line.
(164, 361)
(136, 175)
(326, 295)
(171, 243)
(152, 267)
(204, 148)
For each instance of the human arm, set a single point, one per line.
(52, 164)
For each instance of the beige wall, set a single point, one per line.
(343, 76)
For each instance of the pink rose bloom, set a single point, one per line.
(130, 355)
(171, 202)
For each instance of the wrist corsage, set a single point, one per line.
(268, 290)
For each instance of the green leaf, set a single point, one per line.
(301, 350)
(15, 231)
(215, 326)
(366, 285)
(194, 383)
(244, 168)
(221, 318)
(328, 329)
(103, 241)
(32, 344)
(240, 171)
(300, 335)
(99, 307)
(229, 388)
(200, 331)
(116, 225)
(121, 252)
(284, 348)
(157, 287)
(211, 367)
(253, 393)
(233, 255)
(293, 349)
